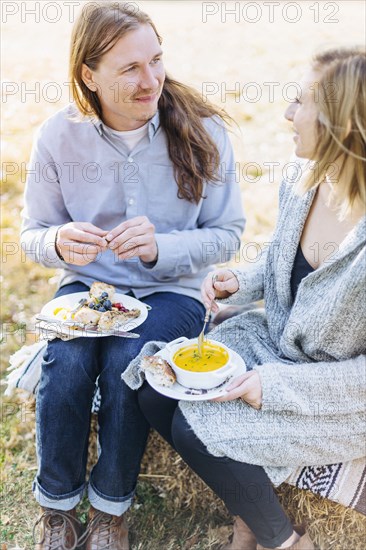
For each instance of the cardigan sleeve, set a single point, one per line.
(251, 284)
(321, 389)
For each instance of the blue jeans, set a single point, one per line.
(66, 389)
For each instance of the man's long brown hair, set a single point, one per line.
(192, 150)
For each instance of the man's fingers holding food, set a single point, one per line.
(78, 253)
(142, 247)
(80, 258)
(129, 229)
(91, 228)
(81, 232)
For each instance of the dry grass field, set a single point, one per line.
(247, 62)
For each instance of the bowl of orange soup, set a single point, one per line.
(197, 371)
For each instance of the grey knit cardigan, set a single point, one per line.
(309, 353)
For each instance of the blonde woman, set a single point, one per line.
(302, 400)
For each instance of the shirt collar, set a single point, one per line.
(152, 129)
(154, 125)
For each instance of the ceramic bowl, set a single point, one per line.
(199, 380)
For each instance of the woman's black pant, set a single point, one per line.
(245, 488)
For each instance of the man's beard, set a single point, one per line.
(145, 118)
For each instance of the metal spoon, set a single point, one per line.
(201, 337)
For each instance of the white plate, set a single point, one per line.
(176, 391)
(71, 300)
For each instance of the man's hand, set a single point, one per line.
(79, 243)
(247, 387)
(134, 238)
(220, 283)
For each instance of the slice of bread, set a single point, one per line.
(98, 287)
(160, 369)
(87, 316)
(110, 320)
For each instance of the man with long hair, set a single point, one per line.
(133, 185)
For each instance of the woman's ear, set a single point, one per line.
(87, 77)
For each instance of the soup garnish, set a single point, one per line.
(213, 357)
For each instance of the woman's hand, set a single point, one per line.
(247, 387)
(134, 238)
(79, 243)
(220, 283)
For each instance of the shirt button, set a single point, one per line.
(130, 159)
(131, 201)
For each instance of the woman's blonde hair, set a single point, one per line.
(340, 94)
(193, 152)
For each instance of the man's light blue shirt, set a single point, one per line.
(80, 172)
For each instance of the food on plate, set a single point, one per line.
(119, 306)
(99, 309)
(87, 316)
(97, 289)
(113, 319)
(101, 302)
(62, 313)
(213, 357)
(160, 370)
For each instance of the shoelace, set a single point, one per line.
(102, 521)
(57, 522)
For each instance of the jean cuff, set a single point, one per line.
(116, 506)
(57, 502)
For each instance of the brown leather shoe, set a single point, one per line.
(242, 537)
(302, 544)
(58, 530)
(105, 532)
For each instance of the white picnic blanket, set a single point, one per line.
(25, 364)
(24, 371)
